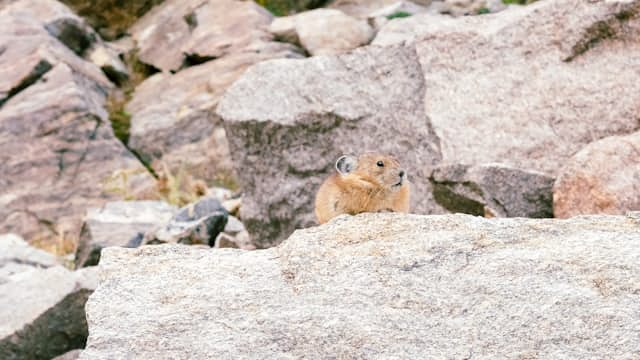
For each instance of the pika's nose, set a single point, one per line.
(401, 173)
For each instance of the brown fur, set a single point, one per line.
(367, 188)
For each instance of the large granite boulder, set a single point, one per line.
(381, 286)
(602, 178)
(119, 223)
(290, 132)
(42, 312)
(496, 93)
(180, 33)
(57, 148)
(463, 91)
(173, 123)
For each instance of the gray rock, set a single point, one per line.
(117, 224)
(173, 123)
(493, 190)
(178, 33)
(323, 31)
(602, 178)
(18, 256)
(495, 93)
(289, 120)
(381, 286)
(42, 312)
(197, 223)
(63, 159)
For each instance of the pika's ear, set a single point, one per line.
(346, 164)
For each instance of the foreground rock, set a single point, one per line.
(59, 162)
(533, 94)
(120, 223)
(42, 312)
(603, 178)
(381, 286)
(323, 31)
(290, 132)
(493, 190)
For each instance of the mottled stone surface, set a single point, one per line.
(603, 178)
(381, 286)
(177, 33)
(497, 93)
(290, 132)
(173, 122)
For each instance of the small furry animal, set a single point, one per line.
(369, 183)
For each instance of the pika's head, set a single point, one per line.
(372, 170)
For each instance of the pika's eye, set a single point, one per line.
(380, 163)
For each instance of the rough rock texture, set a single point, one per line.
(118, 223)
(173, 121)
(541, 98)
(493, 190)
(179, 33)
(290, 132)
(603, 178)
(195, 224)
(57, 150)
(323, 31)
(17, 256)
(381, 286)
(42, 312)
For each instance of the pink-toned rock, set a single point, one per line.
(57, 149)
(178, 33)
(603, 178)
(173, 121)
(323, 31)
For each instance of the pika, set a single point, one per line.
(369, 183)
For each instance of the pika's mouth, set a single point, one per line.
(398, 184)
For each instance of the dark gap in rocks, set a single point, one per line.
(71, 34)
(454, 202)
(195, 59)
(36, 74)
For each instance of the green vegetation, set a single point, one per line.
(518, 2)
(119, 117)
(111, 18)
(483, 11)
(398, 14)
(287, 7)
